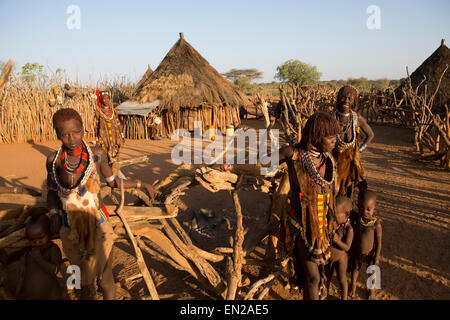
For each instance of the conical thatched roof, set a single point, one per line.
(432, 69)
(185, 79)
(144, 78)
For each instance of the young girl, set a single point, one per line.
(366, 248)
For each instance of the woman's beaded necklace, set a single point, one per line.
(85, 159)
(74, 167)
(105, 116)
(341, 144)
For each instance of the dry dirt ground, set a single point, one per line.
(413, 203)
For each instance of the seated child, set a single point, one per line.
(42, 262)
(342, 237)
(366, 247)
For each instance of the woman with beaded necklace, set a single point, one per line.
(305, 230)
(77, 213)
(347, 152)
(312, 174)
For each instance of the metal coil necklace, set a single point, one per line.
(312, 170)
(343, 114)
(315, 154)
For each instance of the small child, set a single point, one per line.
(342, 237)
(42, 262)
(368, 237)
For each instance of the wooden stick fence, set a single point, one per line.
(25, 113)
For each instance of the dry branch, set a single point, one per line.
(269, 280)
(140, 259)
(205, 269)
(5, 73)
(12, 238)
(235, 276)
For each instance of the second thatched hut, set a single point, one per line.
(190, 89)
(431, 70)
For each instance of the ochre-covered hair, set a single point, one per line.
(348, 89)
(318, 126)
(65, 114)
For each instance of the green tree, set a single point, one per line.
(381, 84)
(243, 77)
(298, 72)
(33, 71)
(397, 83)
(361, 83)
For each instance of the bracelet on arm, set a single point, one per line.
(138, 184)
(111, 178)
(15, 189)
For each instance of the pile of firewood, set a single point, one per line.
(156, 231)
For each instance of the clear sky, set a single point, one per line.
(123, 37)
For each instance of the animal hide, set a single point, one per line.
(83, 215)
(309, 214)
(349, 169)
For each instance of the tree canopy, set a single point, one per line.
(243, 77)
(32, 71)
(298, 72)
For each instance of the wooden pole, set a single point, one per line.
(5, 73)
(140, 259)
(235, 276)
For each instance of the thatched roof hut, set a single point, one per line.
(190, 89)
(144, 78)
(432, 69)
